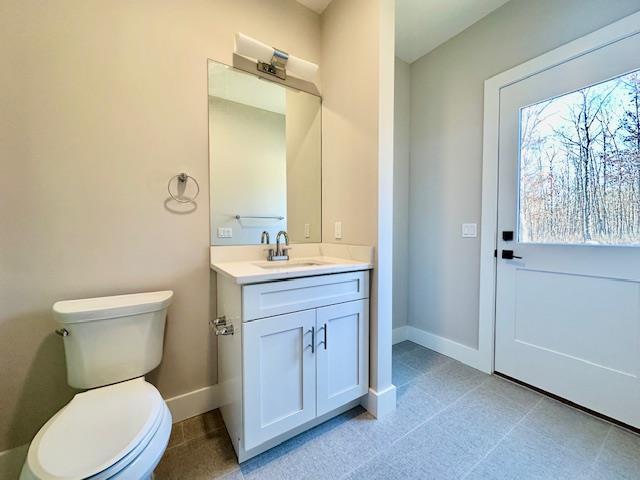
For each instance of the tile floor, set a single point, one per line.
(452, 422)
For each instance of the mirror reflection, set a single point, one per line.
(264, 159)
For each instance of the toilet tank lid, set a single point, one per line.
(100, 308)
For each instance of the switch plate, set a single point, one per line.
(225, 232)
(469, 230)
(307, 230)
(337, 230)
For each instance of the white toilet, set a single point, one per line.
(118, 428)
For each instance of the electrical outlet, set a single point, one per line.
(307, 230)
(469, 230)
(337, 230)
(225, 232)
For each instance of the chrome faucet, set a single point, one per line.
(264, 239)
(281, 253)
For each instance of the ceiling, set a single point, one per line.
(422, 25)
(317, 6)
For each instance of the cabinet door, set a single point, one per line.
(343, 354)
(279, 375)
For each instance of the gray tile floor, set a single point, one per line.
(452, 422)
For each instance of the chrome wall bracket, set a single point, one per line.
(220, 327)
(278, 65)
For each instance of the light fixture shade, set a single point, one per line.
(302, 69)
(252, 48)
(256, 50)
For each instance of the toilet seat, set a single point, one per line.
(98, 433)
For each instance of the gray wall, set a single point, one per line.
(446, 147)
(401, 148)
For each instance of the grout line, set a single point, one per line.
(427, 420)
(565, 447)
(568, 403)
(186, 440)
(486, 455)
(574, 408)
(601, 449)
(506, 397)
(445, 408)
(434, 369)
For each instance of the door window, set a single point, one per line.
(580, 166)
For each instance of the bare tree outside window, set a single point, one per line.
(580, 166)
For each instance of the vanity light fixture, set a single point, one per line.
(274, 61)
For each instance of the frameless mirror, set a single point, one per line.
(264, 159)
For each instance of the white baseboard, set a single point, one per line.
(11, 461)
(194, 403)
(400, 334)
(381, 403)
(457, 351)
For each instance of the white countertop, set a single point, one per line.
(249, 265)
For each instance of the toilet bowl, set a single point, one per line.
(114, 432)
(119, 427)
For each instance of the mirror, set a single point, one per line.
(264, 159)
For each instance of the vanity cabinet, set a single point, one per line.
(298, 356)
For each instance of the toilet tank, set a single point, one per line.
(112, 339)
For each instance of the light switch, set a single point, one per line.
(337, 230)
(225, 232)
(307, 230)
(469, 230)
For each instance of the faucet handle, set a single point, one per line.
(284, 253)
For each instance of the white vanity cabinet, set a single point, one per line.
(298, 356)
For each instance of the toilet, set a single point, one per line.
(119, 427)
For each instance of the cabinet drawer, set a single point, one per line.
(275, 298)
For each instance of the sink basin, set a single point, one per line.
(289, 264)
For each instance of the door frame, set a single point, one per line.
(607, 35)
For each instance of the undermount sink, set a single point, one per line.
(289, 264)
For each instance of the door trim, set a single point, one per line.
(612, 33)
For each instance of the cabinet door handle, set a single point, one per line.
(324, 342)
(313, 339)
(325, 336)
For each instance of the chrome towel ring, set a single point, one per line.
(182, 180)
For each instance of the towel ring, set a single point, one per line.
(182, 179)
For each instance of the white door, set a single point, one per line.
(279, 375)
(568, 311)
(343, 356)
